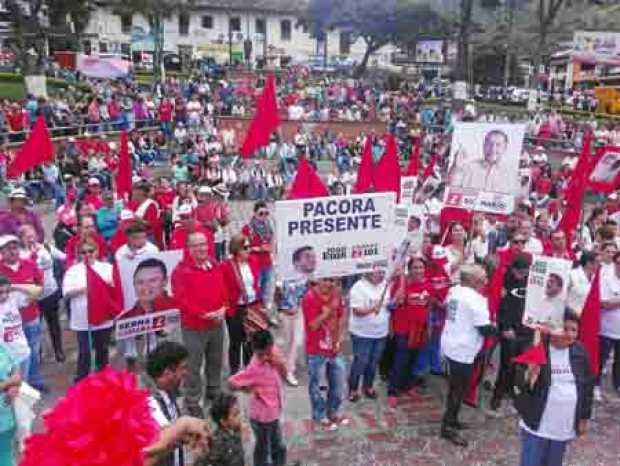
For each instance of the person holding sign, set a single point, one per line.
(555, 399)
(202, 297)
(467, 323)
(369, 325)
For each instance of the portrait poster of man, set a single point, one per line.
(484, 157)
(605, 175)
(545, 298)
(145, 281)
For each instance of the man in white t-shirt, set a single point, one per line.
(532, 244)
(369, 326)
(467, 323)
(13, 338)
(610, 323)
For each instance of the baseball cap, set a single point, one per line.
(221, 190)
(204, 190)
(7, 239)
(93, 181)
(18, 193)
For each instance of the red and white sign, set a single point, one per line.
(605, 175)
(148, 323)
(479, 201)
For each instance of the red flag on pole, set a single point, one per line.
(123, 176)
(535, 355)
(387, 172)
(591, 322)
(576, 190)
(414, 160)
(37, 149)
(364, 180)
(102, 298)
(307, 183)
(266, 120)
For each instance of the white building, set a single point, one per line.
(219, 29)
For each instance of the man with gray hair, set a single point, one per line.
(467, 323)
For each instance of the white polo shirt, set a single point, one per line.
(466, 309)
(610, 318)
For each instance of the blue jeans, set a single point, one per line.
(539, 451)
(335, 372)
(269, 448)
(7, 448)
(401, 373)
(263, 282)
(32, 330)
(429, 357)
(366, 355)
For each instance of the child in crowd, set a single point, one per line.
(263, 379)
(226, 447)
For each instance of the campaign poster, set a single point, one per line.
(605, 175)
(145, 280)
(545, 296)
(416, 227)
(148, 323)
(484, 166)
(408, 185)
(334, 236)
(429, 51)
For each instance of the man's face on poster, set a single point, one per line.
(149, 283)
(607, 168)
(553, 287)
(306, 261)
(414, 224)
(495, 145)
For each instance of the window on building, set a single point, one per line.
(103, 47)
(126, 48)
(260, 26)
(126, 23)
(235, 24)
(183, 24)
(345, 43)
(88, 48)
(285, 29)
(207, 22)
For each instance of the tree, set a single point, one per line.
(155, 12)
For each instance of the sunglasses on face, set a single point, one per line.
(519, 241)
(263, 214)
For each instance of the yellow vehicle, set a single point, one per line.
(608, 99)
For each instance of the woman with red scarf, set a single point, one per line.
(260, 234)
(412, 296)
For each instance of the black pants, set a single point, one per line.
(238, 340)
(504, 384)
(458, 384)
(100, 341)
(269, 448)
(49, 308)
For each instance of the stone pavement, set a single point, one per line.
(381, 436)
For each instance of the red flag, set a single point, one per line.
(37, 149)
(576, 190)
(307, 183)
(365, 171)
(414, 160)
(266, 120)
(534, 355)
(102, 298)
(387, 172)
(591, 322)
(428, 171)
(123, 176)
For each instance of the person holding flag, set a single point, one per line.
(91, 330)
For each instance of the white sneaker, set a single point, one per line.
(598, 396)
(292, 380)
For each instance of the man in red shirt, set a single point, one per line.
(25, 272)
(188, 224)
(202, 297)
(324, 324)
(147, 210)
(165, 116)
(557, 246)
(93, 194)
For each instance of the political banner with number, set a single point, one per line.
(334, 236)
(545, 296)
(145, 281)
(147, 323)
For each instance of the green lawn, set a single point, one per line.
(11, 90)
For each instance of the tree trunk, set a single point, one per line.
(361, 68)
(462, 64)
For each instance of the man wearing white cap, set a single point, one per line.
(93, 193)
(17, 215)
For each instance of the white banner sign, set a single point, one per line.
(545, 298)
(407, 188)
(479, 201)
(147, 323)
(334, 236)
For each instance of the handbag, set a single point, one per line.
(255, 317)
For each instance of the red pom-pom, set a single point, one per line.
(104, 420)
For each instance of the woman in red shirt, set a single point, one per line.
(411, 296)
(260, 234)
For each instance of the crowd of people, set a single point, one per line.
(431, 318)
